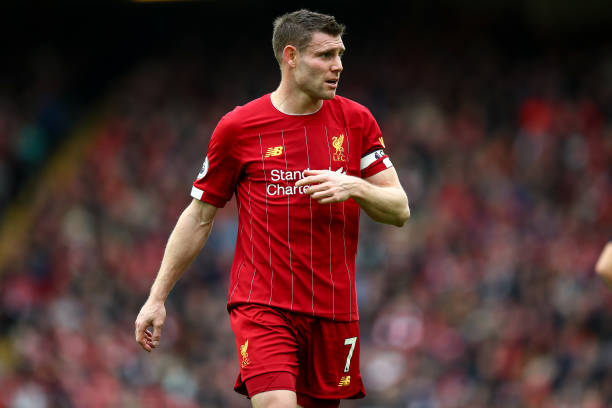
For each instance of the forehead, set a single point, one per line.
(322, 41)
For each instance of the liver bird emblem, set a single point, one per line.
(337, 142)
(245, 355)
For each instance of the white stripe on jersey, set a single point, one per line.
(331, 277)
(196, 193)
(238, 200)
(288, 224)
(310, 207)
(267, 220)
(372, 157)
(252, 257)
(348, 274)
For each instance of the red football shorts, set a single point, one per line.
(280, 350)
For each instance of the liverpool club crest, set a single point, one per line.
(337, 142)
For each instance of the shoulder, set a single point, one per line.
(243, 117)
(350, 107)
(347, 103)
(242, 112)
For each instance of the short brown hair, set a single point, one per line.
(298, 27)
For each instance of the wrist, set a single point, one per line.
(359, 188)
(155, 296)
(156, 300)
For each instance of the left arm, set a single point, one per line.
(381, 196)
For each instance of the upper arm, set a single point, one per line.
(216, 181)
(203, 212)
(373, 157)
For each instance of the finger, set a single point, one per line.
(311, 180)
(140, 335)
(157, 330)
(138, 331)
(306, 181)
(328, 200)
(145, 343)
(317, 188)
(322, 194)
(309, 172)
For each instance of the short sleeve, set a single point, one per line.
(216, 181)
(373, 157)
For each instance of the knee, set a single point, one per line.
(275, 399)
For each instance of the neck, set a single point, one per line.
(291, 101)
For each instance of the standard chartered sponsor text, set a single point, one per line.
(291, 175)
(282, 189)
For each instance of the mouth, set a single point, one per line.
(333, 83)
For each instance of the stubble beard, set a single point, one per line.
(330, 94)
(317, 91)
(323, 94)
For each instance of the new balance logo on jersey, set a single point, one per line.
(344, 381)
(274, 151)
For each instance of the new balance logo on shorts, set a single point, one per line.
(344, 381)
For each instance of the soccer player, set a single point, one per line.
(302, 161)
(604, 264)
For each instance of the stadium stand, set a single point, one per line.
(486, 298)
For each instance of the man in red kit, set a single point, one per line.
(302, 161)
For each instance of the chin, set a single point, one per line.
(322, 94)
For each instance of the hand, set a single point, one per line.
(151, 314)
(328, 186)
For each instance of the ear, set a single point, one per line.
(290, 55)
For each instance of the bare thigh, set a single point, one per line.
(275, 399)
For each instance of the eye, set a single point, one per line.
(331, 54)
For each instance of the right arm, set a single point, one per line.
(185, 242)
(604, 264)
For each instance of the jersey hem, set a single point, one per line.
(334, 317)
(207, 197)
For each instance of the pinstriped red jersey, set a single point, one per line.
(291, 251)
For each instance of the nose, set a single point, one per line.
(337, 65)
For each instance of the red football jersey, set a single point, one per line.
(291, 251)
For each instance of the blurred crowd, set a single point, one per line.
(486, 298)
(35, 113)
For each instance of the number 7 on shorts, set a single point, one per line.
(352, 341)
